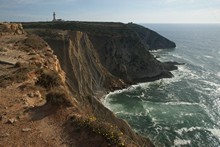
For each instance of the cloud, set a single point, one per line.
(192, 16)
(18, 3)
(191, 1)
(113, 10)
(177, 1)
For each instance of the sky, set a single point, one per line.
(137, 11)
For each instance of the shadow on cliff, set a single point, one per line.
(40, 112)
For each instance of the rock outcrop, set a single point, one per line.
(11, 28)
(151, 39)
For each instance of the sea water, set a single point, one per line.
(184, 110)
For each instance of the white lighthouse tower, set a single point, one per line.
(54, 16)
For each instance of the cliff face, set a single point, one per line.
(151, 39)
(121, 48)
(127, 56)
(97, 58)
(86, 75)
(55, 107)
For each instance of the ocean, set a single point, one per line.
(184, 110)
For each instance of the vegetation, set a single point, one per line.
(48, 79)
(109, 132)
(58, 97)
(96, 28)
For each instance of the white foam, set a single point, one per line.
(177, 56)
(188, 114)
(178, 76)
(161, 82)
(206, 56)
(131, 113)
(156, 51)
(183, 130)
(180, 103)
(183, 72)
(142, 95)
(105, 99)
(211, 83)
(215, 132)
(208, 111)
(178, 142)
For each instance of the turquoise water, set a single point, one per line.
(184, 110)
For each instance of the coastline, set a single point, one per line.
(92, 61)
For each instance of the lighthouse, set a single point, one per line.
(54, 16)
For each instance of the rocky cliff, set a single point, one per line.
(99, 57)
(58, 80)
(57, 105)
(86, 75)
(126, 55)
(121, 48)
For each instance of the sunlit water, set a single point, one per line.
(184, 110)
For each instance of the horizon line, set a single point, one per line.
(117, 22)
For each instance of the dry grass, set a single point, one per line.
(34, 41)
(58, 97)
(49, 79)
